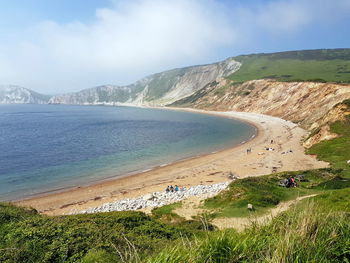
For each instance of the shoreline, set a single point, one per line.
(144, 170)
(211, 168)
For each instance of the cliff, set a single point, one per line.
(14, 94)
(306, 87)
(158, 89)
(312, 105)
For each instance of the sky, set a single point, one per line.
(59, 46)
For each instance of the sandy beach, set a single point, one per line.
(287, 155)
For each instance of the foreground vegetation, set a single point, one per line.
(331, 65)
(314, 230)
(264, 192)
(304, 234)
(27, 236)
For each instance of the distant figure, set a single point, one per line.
(271, 141)
(167, 190)
(176, 188)
(182, 189)
(293, 182)
(171, 188)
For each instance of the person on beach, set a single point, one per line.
(167, 190)
(171, 188)
(176, 188)
(182, 189)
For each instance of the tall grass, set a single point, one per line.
(303, 234)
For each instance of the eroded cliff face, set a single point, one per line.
(155, 90)
(320, 130)
(10, 94)
(312, 105)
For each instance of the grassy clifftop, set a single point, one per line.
(324, 65)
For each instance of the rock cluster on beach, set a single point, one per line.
(157, 199)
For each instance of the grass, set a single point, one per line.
(167, 216)
(303, 234)
(166, 210)
(29, 237)
(265, 193)
(310, 65)
(336, 151)
(161, 83)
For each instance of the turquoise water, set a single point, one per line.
(51, 147)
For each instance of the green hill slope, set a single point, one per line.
(323, 65)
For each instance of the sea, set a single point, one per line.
(46, 148)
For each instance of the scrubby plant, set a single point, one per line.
(303, 234)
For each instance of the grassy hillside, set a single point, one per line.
(265, 193)
(303, 234)
(336, 151)
(332, 65)
(161, 83)
(26, 236)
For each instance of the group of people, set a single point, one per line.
(249, 150)
(172, 189)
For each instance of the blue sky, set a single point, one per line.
(57, 46)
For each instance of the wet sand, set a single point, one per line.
(207, 169)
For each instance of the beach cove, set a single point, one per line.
(212, 168)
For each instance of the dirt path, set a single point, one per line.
(190, 207)
(240, 223)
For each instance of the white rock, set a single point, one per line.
(157, 199)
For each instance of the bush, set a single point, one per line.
(29, 237)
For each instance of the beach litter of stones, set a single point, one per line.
(157, 199)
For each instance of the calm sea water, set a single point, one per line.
(50, 147)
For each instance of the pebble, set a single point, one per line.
(157, 199)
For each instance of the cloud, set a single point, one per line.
(283, 16)
(136, 38)
(133, 39)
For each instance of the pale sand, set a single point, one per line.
(206, 169)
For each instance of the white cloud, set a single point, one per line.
(129, 41)
(135, 38)
(283, 16)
